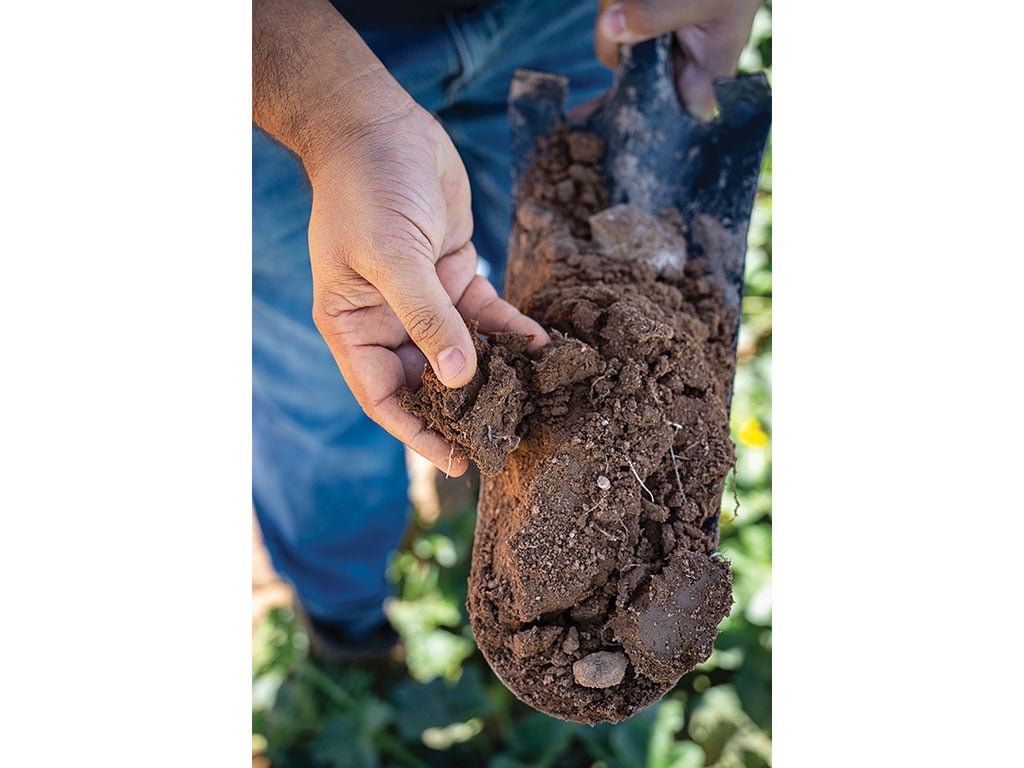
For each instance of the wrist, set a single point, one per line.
(316, 84)
(345, 113)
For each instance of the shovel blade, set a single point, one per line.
(658, 156)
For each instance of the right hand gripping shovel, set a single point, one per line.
(658, 155)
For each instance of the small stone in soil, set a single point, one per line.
(600, 670)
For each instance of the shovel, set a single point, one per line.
(585, 622)
(658, 156)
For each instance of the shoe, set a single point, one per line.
(330, 642)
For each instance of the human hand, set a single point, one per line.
(394, 270)
(710, 34)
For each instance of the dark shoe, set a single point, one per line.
(330, 642)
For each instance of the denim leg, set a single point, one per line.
(329, 485)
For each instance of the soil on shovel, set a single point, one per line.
(595, 585)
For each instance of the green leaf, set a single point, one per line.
(685, 754)
(629, 741)
(664, 751)
(347, 740)
(438, 704)
(719, 724)
(537, 741)
(431, 650)
(293, 716)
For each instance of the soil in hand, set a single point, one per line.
(595, 585)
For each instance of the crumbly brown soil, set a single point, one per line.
(594, 583)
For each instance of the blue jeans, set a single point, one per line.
(329, 485)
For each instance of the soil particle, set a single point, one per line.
(564, 364)
(603, 457)
(585, 147)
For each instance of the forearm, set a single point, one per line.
(314, 79)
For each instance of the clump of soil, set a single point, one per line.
(595, 585)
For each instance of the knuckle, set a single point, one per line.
(332, 316)
(424, 324)
(408, 226)
(347, 292)
(329, 306)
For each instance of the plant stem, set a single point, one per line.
(331, 689)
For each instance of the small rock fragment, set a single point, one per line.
(627, 233)
(572, 641)
(600, 670)
(603, 483)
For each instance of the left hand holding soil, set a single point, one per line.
(394, 269)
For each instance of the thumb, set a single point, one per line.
(428, 315)
(697, 91)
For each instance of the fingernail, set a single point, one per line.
(450, 363)
(614, 21)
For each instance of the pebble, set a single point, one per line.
(600, 670)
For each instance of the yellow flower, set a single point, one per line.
(751, 434)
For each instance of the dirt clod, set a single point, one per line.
(603, 456)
